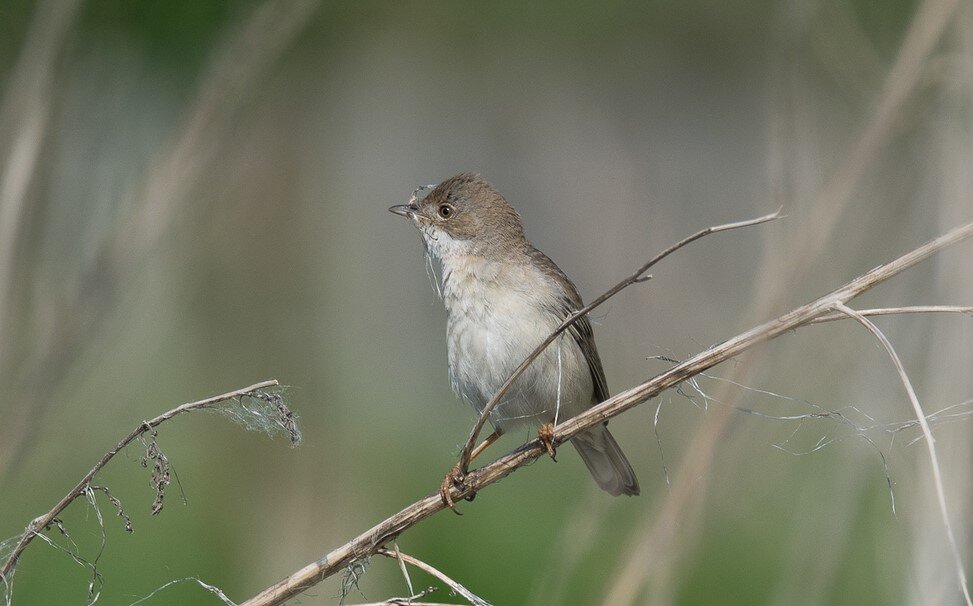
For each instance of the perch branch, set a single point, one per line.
(635, 278)
(927, 432)
(381, 534)
(43, 521)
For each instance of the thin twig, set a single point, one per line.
(889, 311)
(208, 587)
(635, 278)
(382, 533)
(471, 597)
(405, 571)
(930, 442)
(83, 486)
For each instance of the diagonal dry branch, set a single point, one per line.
(381, 534)
(83, 486)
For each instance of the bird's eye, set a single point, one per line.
(445, 211)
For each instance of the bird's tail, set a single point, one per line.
(606, 461)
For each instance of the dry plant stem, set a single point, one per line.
(379, 535)
(41, 522)
(24, 118)
(471, 597)
(907, 74)
(930, 441)
(243, 56)
(891, 311)
(403, 569)
(635, 278)
(490, 439)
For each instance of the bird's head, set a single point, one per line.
(464, 215)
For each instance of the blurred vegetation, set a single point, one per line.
(193, 223)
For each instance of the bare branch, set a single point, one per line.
(930, 442)
(636, 278)
(84, 486)
(471, 597)
(381, 534)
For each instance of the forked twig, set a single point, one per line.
(930, 442)
(83, 486)
(457, 588)
(635, 278)
(387, 530)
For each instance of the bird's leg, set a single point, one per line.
(546, 435)
(455, 475)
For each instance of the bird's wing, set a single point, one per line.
(585, 338)
(569, 302)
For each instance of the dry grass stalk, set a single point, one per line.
(471, 597)
(151, 207)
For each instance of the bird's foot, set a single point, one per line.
(454, 479)
(546, 435)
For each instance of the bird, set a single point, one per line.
(503, 297)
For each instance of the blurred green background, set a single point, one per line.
(194, 196)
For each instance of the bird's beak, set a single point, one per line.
(404, 210)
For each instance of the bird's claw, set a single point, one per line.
(546, 435)
(454, 478)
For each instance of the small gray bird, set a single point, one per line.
(503, 297)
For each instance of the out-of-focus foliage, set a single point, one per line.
(192, 199)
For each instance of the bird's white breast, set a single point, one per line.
(498, 313)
